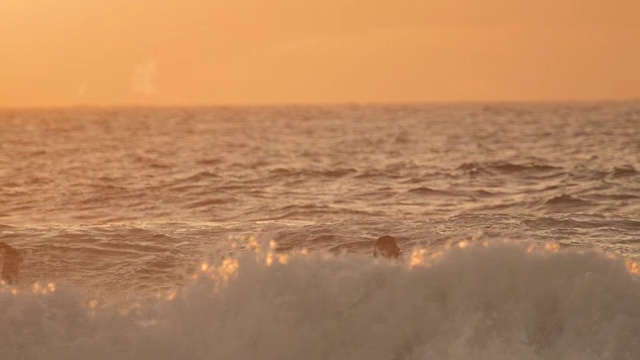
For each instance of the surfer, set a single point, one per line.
(11, 263)
(386, 246)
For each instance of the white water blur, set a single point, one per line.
(473, 301)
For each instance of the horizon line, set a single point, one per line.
(319, 104)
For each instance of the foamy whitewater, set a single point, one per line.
(247, 233)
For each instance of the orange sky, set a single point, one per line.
(179, 52)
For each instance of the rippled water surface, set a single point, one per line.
(519, 226)
(102, 195)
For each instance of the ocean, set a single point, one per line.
(248, 232)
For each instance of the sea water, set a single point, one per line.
(247, 232)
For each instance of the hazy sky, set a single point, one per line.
(70, 52)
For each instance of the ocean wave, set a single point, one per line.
(492, 168)
(423, 190)
(543, 223)
(623, 171)
(566, 202)
(476, 300)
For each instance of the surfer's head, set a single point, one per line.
(11, 263)
(386, 246)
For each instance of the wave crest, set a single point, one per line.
(475, 300)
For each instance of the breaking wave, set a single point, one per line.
(475, 300)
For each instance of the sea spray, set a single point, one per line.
(474, 300)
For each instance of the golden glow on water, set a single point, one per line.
(172, 294)
(43, 290)
(417, 257)
(632, 266)
(283, 259)
(552, 247)
(269, 259)
(229, 266)
(253, 243)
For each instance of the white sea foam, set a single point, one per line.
(480, 301)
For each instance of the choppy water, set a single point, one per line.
(126, 203)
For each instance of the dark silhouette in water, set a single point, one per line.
(386, 246)
(11, 263)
